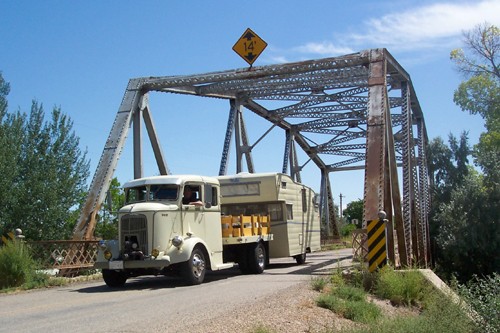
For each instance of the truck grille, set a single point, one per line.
(134, 228)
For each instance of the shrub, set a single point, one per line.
(318, 283)
(347, 230)
(17, 267)
(349, 302)
(349, 293)
(401, 287)
(483, 296)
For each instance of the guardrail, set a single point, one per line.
(69, 257)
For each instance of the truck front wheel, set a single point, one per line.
(194, 268)
(114, 279)
(257, 258)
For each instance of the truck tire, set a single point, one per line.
(114, 279)
(256, 258)
(301, 258)
(194, 269)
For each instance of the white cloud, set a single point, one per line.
(438, 25)
(277, 60)
(324, 48)
(435, 25)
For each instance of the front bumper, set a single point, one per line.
(132, 264)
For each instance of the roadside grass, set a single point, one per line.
(19, 271)
(342, 243)
(441, 315)
(346, 295)
(349, 302)
(17, 266)
(407, 287)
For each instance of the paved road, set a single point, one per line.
(153, 304)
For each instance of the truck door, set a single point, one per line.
(192, 210)
(212, 217)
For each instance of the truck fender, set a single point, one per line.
(187, 248)
(111, 245)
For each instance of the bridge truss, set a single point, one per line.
(357, 111)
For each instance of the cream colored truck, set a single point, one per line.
(292, 207)
(160, 231)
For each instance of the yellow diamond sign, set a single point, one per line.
(249, 46)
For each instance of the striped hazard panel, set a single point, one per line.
(377, 255)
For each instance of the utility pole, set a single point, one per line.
(341, 196)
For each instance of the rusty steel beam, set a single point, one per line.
(375, 138)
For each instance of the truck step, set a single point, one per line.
(225, 266)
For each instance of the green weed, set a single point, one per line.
(318, 283)
(17, 267)
(349, 302)
(401, 287)
(483, 297)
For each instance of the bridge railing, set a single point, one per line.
(360, 245)
(69, 257)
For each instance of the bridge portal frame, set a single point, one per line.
(347, 99)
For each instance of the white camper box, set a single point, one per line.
(295, 221)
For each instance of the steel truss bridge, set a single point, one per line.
(357, 111)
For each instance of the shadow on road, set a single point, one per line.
(276, 268)
(159, 282)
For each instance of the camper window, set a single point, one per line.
(241, 189)
(289, 212)
(276, 212)
(304, 200)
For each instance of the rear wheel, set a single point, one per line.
(256, 258)
(194, 269)
(114, 279)
(301, 258)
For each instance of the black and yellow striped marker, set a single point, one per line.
(377, 255)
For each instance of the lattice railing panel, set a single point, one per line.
(65, 255)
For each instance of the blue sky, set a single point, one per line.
(80, 55)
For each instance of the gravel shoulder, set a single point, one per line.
(293, 310)
(290, 311)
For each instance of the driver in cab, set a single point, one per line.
(190, 198)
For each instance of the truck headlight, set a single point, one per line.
(177, 241)
(107, 254)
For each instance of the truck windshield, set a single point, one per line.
(163, 192)
(135, 194)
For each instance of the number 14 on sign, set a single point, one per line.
(249, 46)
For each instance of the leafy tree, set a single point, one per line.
(464, 214)
(448, 166)
(10, 147)
(480, 93)
(448, 169)
(43, 170)
(354, 210)
(467, 240)
(107, 224)
(4, 91)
